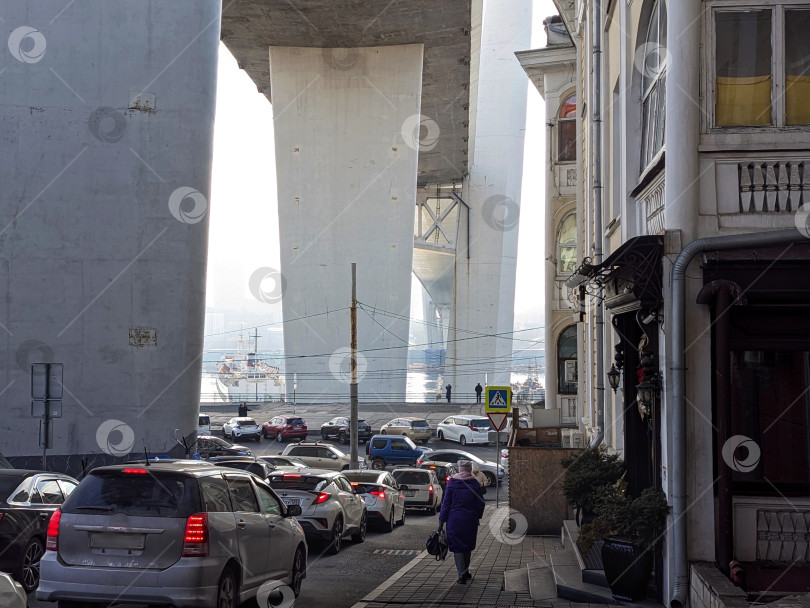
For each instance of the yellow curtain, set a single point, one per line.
(743, 101)
(797, 99)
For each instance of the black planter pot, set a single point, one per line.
(627, 569)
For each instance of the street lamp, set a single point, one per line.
(614, 376)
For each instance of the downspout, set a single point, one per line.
(680, 590)
(596, 103)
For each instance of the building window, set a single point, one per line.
(567, 245)
(653, 85)
(762, 66)
(567, 130)
(567, 361)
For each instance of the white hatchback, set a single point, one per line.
(464, 429)
(242, 428)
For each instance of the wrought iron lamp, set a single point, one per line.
(614, 376)
(649, 387)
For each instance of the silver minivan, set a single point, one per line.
(170, 533)
(204, 426)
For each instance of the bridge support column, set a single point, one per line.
(346, 141)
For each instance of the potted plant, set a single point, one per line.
(587, 472)
(630, 528)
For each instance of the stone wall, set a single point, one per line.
(535, 487)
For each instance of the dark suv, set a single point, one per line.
(383, 450)
(340, 428)
(188, 536)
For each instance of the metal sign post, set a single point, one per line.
(498, 421)
(46, 402)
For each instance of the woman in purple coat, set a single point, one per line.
(462, 507)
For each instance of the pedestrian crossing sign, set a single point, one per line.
(499, 399)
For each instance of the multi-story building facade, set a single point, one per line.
(692, 274)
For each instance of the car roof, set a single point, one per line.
(158, 467)
(370, 474)
(23, 472)
(412, 418)
(308, 472)
(243, 418)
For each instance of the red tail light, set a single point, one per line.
(195, 540)
(291, 476)
(135, 471)
(472, 428)
(447, 478)
(430, 492)
(380, 493)
(322, 497)
(52, 542)
(419, 463)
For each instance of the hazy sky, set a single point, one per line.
(244, 219)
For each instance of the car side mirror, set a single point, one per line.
(403, 487)
(333, 456)
(294, 511)
(279, 453)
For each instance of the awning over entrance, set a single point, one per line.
(631, 275)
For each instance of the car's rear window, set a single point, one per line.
(363, 477)
(412, 477)
(204, 421)
(421, 424)
(297, 482)
(150, 494)
(365, 488)
(295, 421)
(250, 422)
(480, 422)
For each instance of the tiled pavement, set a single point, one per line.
(427, 583)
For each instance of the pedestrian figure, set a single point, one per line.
(449, 389)
(478, 391)
(462, 507)
(243, 410)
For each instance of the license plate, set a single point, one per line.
(297, 427)
(410, 493)
(291, 501)
(115, 540)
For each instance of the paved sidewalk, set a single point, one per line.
(427, 583)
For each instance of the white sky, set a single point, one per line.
(244, 220)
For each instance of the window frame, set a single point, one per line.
(647, 164)
(738, 134)
(558, 131)
(560, 272)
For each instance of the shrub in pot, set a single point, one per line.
(586, 473)
(630, 528)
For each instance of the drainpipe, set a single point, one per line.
(680, 590)
(596, 103)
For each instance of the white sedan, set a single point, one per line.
(384, 501)
(242, 428)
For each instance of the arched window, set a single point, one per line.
(567, 245)
(653, 84)
(567, 361)
(567, 130)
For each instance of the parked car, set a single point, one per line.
(204, 425)
(319, 455)
(464, 429)
(488, 468)
(444, 471)
(285, 462)
(170, 534)
(245, 463)
(208, 445)
(384, 502)
(27, 499)
(12, 595)
(384, 450)
(340, 428)
(331, 509)
(285, 427)
(417, 429)
(243, 428)
(420, 487)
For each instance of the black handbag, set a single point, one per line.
(436, 544)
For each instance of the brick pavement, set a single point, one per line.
(427, 583)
